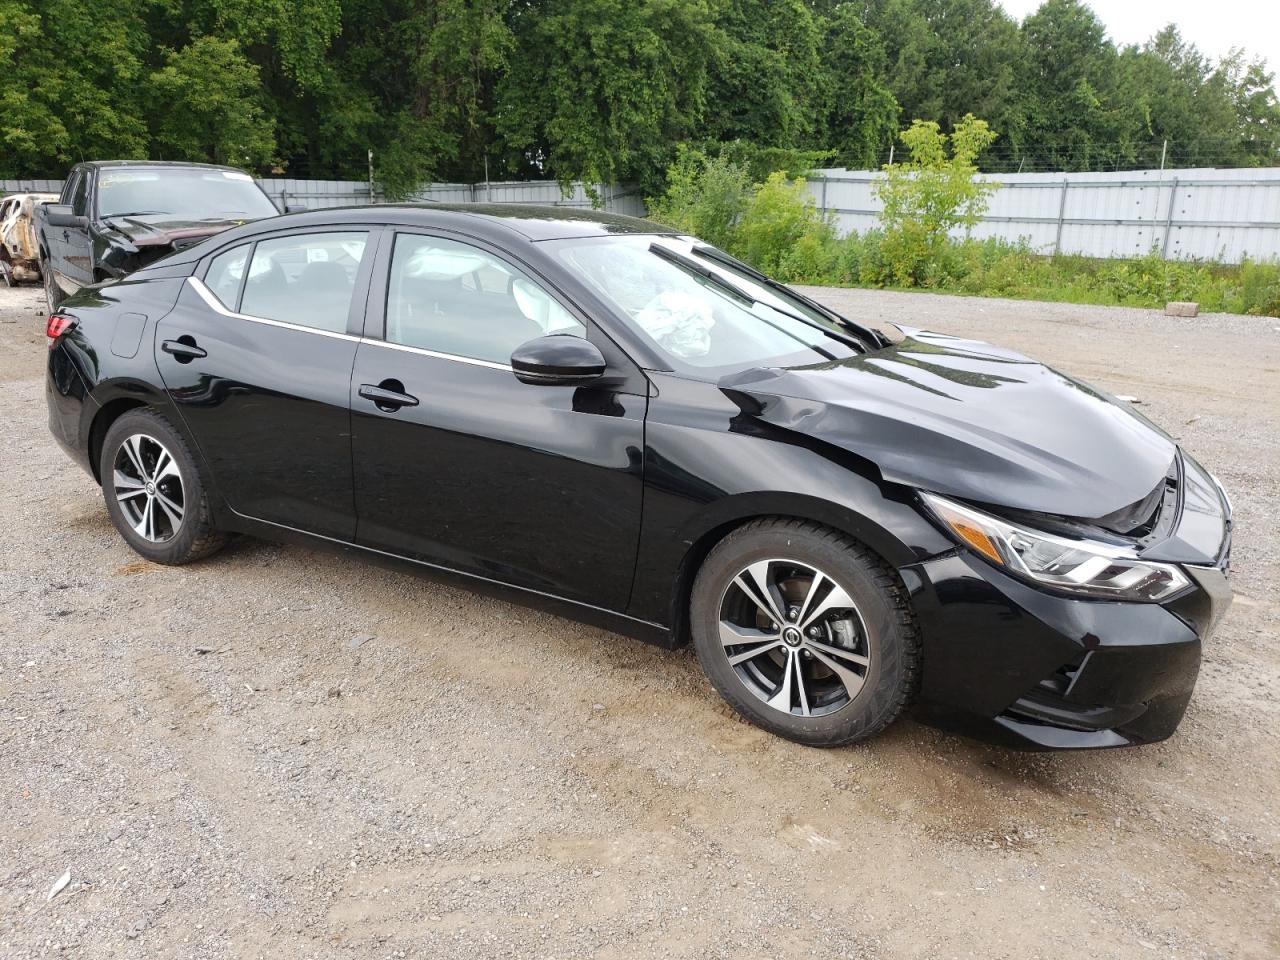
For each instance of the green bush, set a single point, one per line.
(783, 234)
(705, 196)
(812, 259)
(1259, 289)
(760, 162)
(931, 194)
(776, 227)
(997, 268)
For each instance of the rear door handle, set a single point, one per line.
(184, 349)
(388, 396)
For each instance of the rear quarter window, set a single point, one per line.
(224, 274)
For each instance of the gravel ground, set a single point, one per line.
(282, 753)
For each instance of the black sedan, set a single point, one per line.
(626, 426)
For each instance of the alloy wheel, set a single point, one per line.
(148, 487)
(794, 637)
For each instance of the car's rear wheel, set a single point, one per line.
(154, 493)
(805, 632)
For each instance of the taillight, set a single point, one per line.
(59, 323)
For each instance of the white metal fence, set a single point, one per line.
(315, 194)
(30, 186)
(1210, 214)
(1187, 214)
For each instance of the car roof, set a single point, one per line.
(531, 221)
(497, 222)
(178, 164)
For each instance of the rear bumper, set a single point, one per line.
(67, 397)
(1015, 665)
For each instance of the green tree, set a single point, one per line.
(766, 74)
(205, 106)
(932, 194)
(289, 41)
(861, 112)
(58, 107)
(1252, 89)
(600, 90)
(1183, 99)
(603, 89)
(437, 89)
(948, 58)
(1080, 114)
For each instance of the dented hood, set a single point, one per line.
(148, 232)
(968, 419)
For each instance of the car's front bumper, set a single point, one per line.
(1007, 662)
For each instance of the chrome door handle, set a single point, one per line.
(182, 351)
(386, 398)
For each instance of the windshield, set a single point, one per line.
(699, 315)
(181, 194)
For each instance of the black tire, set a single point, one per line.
(52, 295)
(193, 536)
(882, 627)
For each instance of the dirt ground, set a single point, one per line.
(282, 753)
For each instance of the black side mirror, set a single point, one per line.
(558, 360)
(60, 215)
(296, 208)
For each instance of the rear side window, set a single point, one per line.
(305, 279)
(223, 276)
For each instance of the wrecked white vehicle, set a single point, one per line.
(19, 252)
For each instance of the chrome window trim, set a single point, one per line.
(216, 305)
(492, 364)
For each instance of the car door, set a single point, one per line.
(77, 251)
(57, 240)
(537, 486)
(257, 357)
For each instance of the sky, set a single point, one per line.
(1215, 27)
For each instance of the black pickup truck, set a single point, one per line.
(115, 216)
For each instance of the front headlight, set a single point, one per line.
(1088, 567)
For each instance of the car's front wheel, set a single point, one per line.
(53, 296)
(154, 493)
(805, 632)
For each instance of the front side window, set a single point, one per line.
(453, 298)
(79, 196)
(69, 188)
(306, 279)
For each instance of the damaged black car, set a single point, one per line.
(598, 416)
(116, 216)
